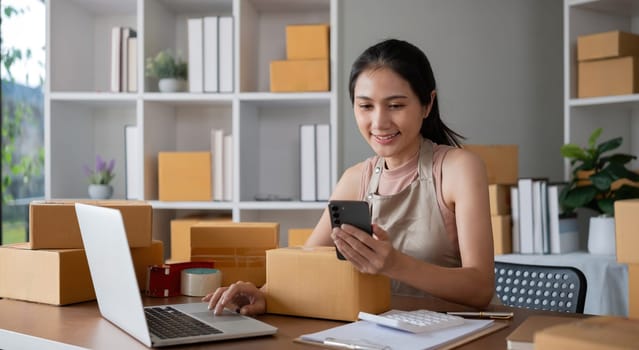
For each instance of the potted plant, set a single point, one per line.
(100, 178)
(598, 180)
(170, 71)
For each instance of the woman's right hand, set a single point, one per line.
(242, 297)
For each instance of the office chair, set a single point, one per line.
(553, 288)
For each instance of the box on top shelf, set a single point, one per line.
(184, 176)
(607, 45)
(237, 248)
(314, 283)
(299, 75)
(615, 76)
(627, 230)
(307, 41)
(53, 223)
(501, 161)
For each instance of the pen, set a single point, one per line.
(483, 314)
(360, 344)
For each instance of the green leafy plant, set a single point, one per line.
(598, 180)
(164, 65)
(103, 172)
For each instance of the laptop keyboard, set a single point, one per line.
(169, 323)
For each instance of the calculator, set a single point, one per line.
(417, 321)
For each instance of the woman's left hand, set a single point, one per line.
(369, 254)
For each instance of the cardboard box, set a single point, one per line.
(181, 235)
(633, 291)
(615, 76)
(499, 196)
(502, 234)
(299, 76)
(627, 230)
(314, 283)
(597, 332)
(237, 248)
(304, 42)
(59, 276)
(184, 176)
(53, 224)
(297, 236)
(607, 45)
(501, 161)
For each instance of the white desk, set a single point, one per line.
(607, 291)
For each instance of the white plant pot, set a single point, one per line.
(601, 235)
(171, 85)
(100, 191)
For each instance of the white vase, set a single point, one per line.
(100, 191)
(171, 85)
(601, 235)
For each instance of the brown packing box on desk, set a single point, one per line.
(314, 283)
(502, 162)
(59, 276)
(607, 45)
(181, 235)
(237, 248)
(184, 176)
(627, 230)
(299, 76)
(53, 224)
(502, 236)
(598, 332)
(307, 41)
(499, 196)
(633, 291)
(614, 76)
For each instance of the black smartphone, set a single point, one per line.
(354, 213)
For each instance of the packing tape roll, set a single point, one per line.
(198, 282)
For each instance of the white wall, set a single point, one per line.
(498, 66)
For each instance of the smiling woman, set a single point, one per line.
(23, 38)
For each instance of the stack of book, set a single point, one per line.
(537, 226)
(124, 43)
(315, 162)
(210, 45)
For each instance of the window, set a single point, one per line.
(23, 56)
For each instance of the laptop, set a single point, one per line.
(120, 301)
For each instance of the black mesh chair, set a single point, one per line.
(553, 288)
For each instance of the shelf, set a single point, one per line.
(188, 98)
(93, 96)
(613, 101)
(285, 99)
(624, 8)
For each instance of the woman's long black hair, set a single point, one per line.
(410, 63)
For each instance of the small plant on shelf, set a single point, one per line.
(171, 71)
(102, 174)
(598, 180)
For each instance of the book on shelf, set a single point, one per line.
(323, 157)
(307, 163)
(126, 33)
(116, 54)
(514, 216)
(225, 41)
(133, 177)
(525, 188)
(564, 235)
(132, 70)
(540, 217)
(522, 337)
(228, 167)
(195, 47)
(210, 63)
(217, 152)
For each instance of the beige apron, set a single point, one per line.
(413, 220)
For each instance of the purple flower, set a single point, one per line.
(103, 173)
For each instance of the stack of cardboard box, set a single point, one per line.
(52, 267)
(306, 67)
(627, 242)
(502, 168)
(608, 64)
(238, 249)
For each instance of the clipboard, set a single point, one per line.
(492, 328)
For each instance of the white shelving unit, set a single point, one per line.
(82, 118)
(617, 115)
